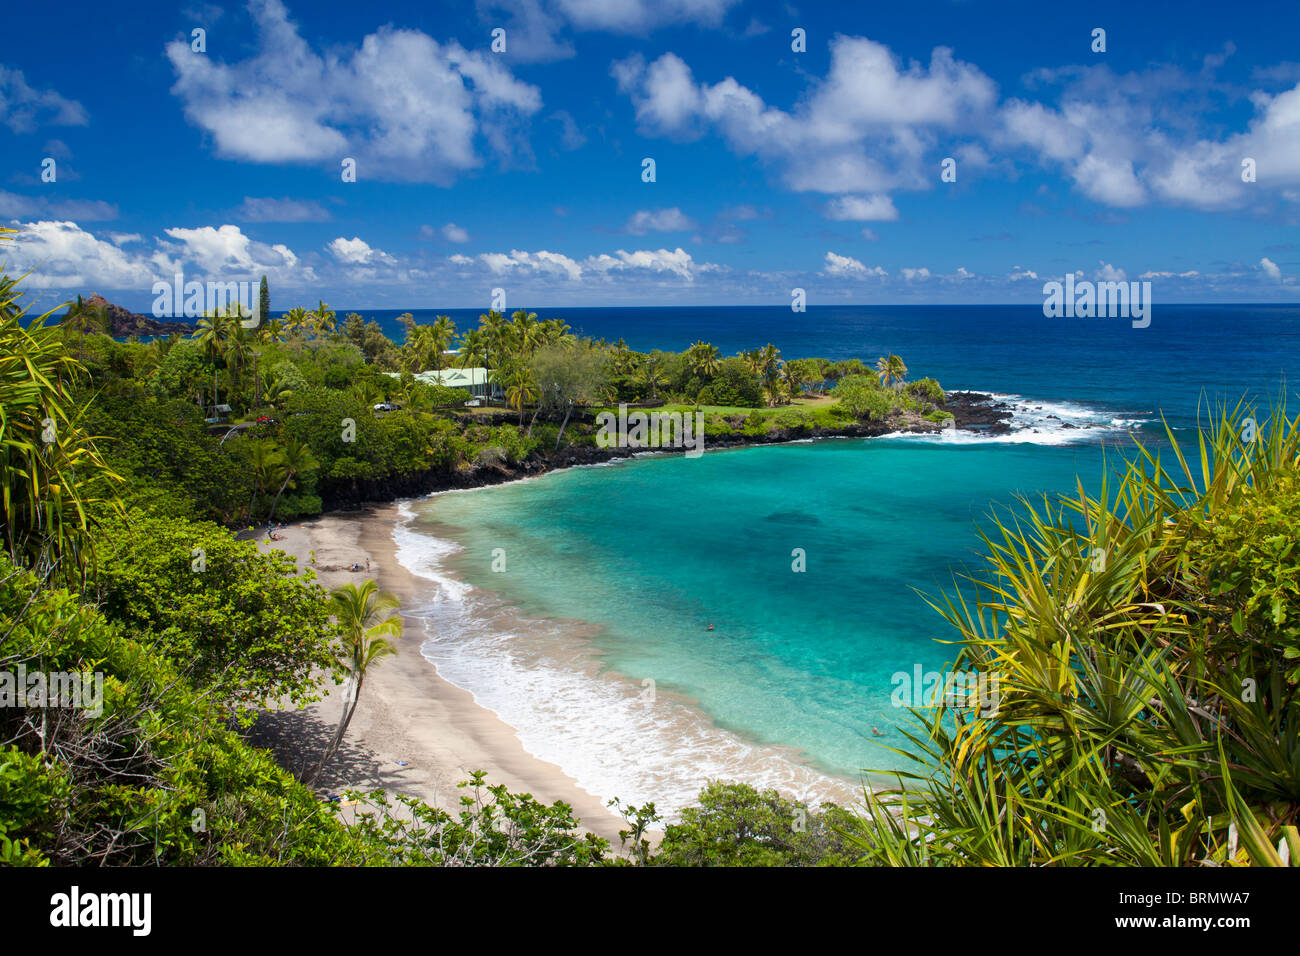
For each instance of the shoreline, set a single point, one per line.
(414, 732)
(975, 413)
(420, 733)
(417, 732)
(679, 746)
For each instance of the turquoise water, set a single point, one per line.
(657, 549)
(650, 552)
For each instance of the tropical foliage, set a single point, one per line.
(1143, 648)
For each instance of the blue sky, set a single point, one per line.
(774, 169)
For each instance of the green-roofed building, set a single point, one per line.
(476, 381)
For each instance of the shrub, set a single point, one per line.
(738, 825)
(127, 785)
(1144, 648)
(790, 418)
(926, 389)
(734, 385)
(239, 620)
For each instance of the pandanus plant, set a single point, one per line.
(51, 473)
(1145, 649)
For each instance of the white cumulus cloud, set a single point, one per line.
(405, 106)
(847, 266)
(659, 220)
(862, 209)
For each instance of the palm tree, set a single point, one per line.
(272, 330)
(323, 319)
(211, 333)
(624, 358)
(273, 392)
(238, 351)
(367, 622)
(704, 359)
(415, 349)
(297, 462)
(265, 465)
(651, 373)
(521, 390)
(792, 379)
(367, 392)
(153, 354)
(767, 364)
(84, 317)
(441, 333)
(891, 369)
(473, 349)
(295, 320)
(555, 330)
(493, 325)
(528, 332)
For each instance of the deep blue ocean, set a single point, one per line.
(1225, 350)
(617, 572)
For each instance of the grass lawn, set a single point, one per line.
(797, 405)
(816, 401)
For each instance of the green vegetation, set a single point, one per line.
(303, 433)
(51, 469)
(1144, 648)
(738, 825)
(247, 628)
(117, 566)
(367, 620)
(1145, 643)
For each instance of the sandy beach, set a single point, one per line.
(413, 733)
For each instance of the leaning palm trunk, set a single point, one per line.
(276, 502)
(563, 425)
(359, 613)
(350, 700)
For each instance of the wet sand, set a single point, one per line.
(413, 733)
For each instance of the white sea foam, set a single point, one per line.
(1039, 423)
(544, 680)
(608, 732)
(423, 554)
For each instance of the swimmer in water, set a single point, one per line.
(710, 627)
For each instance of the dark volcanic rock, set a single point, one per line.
(412, 486)
(973, 411)
(122, 323)
(978, 411)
